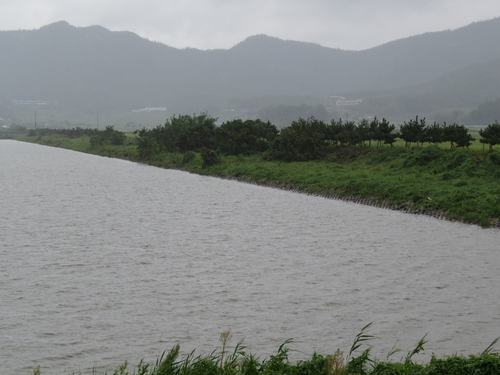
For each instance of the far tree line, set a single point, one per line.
(304, 139)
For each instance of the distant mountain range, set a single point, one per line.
(92, 69)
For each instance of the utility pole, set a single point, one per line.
(97, 121)
(35, 120)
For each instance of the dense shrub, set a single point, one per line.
(209, 157)
(179, 134)
(302, 140)
(422, 156)
(109, 136)
(248, 137)
(187, 157)
(495, 158)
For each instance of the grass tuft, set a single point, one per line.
(241, 363)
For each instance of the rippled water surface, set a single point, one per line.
(103, 260)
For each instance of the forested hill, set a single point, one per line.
(94, 69)
(450, 95)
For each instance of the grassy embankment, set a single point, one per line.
(462, 185)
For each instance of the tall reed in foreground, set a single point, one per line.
(238, 362)
(335, 363)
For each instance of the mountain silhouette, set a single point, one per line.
(93, 69)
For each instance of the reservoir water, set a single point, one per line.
(104, 260)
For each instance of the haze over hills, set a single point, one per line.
(446, 98)
(94, 70)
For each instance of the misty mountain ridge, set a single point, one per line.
(94, 69)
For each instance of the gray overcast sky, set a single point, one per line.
(209, 24)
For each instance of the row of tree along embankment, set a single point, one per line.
(442, 171)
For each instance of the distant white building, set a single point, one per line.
(340, 101)
(35, 102)
(151, 109)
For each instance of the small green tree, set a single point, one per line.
(147, 145)
(490, 135)
(413, 131)
(385, 133)
(302, 140)
(363, 132)
(435, 133)
(374, 132)
(347, 135)
(457, 135)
